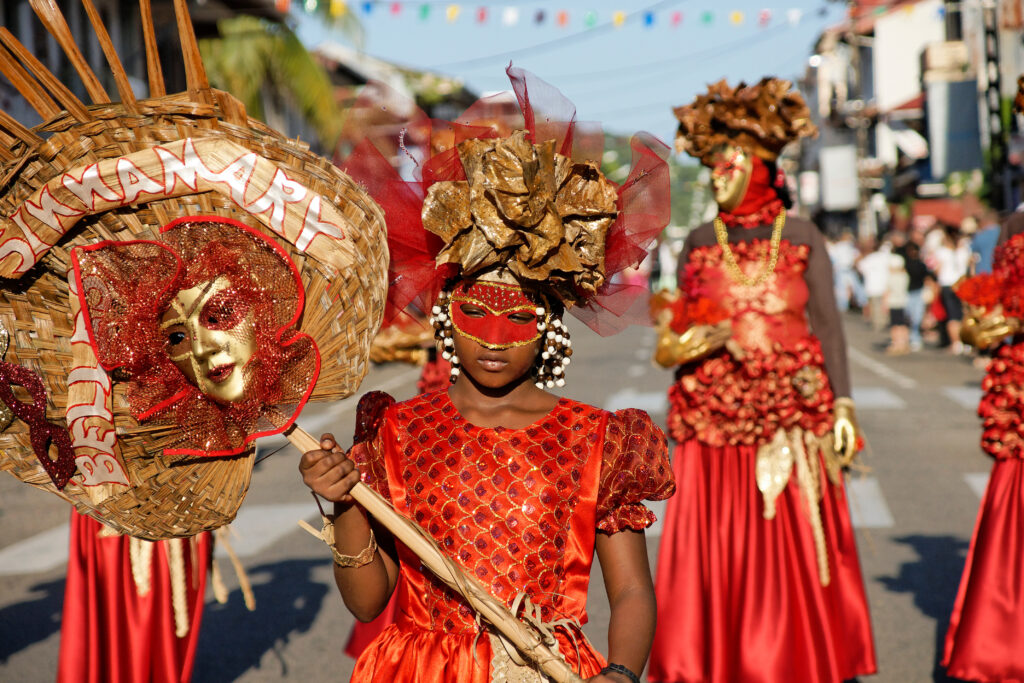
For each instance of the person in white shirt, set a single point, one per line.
(875, 269)
(897, 288)
(952, 259)
(844, 254)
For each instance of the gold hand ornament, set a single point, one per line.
(845, 430)
(984, 328)
(695, 343)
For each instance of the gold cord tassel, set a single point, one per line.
(140, 558)
(773, 470)
(179, 591)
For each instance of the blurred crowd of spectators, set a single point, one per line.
(903, 284)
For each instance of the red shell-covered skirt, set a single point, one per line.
(985, 641)
(739, 598)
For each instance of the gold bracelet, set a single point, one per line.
(843, 402)
(364, 557)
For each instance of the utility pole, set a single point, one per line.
(997, 134)
(856, 117)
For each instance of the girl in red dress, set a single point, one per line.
(758, 578)
(983, 642)
(517, 485)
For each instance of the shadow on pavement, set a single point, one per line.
(25, 623)
(234, 640)
(932, 579)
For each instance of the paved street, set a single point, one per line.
(914, 509)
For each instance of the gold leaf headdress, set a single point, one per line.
(761, 118)
(526, 210)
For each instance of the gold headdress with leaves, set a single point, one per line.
(762, 118)
(525, 209)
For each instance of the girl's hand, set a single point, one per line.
(329, 472)
(608, 678)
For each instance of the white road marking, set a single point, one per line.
(642, 353)
(655, 402)
(256, 528)
(877, 398)
(967, 397)
(637, 370)
(40, 553)
(880, 369)
(868, 509)
(978, 481)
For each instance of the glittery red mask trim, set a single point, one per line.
(495, 315)
(41, 432)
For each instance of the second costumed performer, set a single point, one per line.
(758, 578)
(983, 640)
(517, 485)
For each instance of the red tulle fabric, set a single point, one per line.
(110, 633)
(124, 289)
(739, 597)
(761, 204)
(380, 137)
(518, 509)
(990, 601)
(1004, 285)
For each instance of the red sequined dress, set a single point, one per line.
(519, 509)
(758, 578)
(983, 642)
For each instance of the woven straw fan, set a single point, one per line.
(121, 475)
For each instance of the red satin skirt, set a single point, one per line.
(111, 634)
(739, 598)
(985, 641)
(364, 633)
(405, 653)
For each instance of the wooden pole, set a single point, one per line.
(525, 638)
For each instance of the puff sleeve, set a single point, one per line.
(634, 467)
(372, 422)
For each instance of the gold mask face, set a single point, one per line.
(731, 168)
(211, 338)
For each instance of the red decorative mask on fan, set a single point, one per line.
(203, 324)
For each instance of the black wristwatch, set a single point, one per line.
(619, 669)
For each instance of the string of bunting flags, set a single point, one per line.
(513, 15)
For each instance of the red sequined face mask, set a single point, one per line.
(494, 314)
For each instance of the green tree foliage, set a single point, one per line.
(255, 59)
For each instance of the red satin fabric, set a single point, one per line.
(110, 633)
(738, 595)
(983, 642)
(518, 509)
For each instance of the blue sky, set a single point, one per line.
(629, 77)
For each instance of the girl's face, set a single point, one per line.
(211, 338)
(495, 367)
(731, 168)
